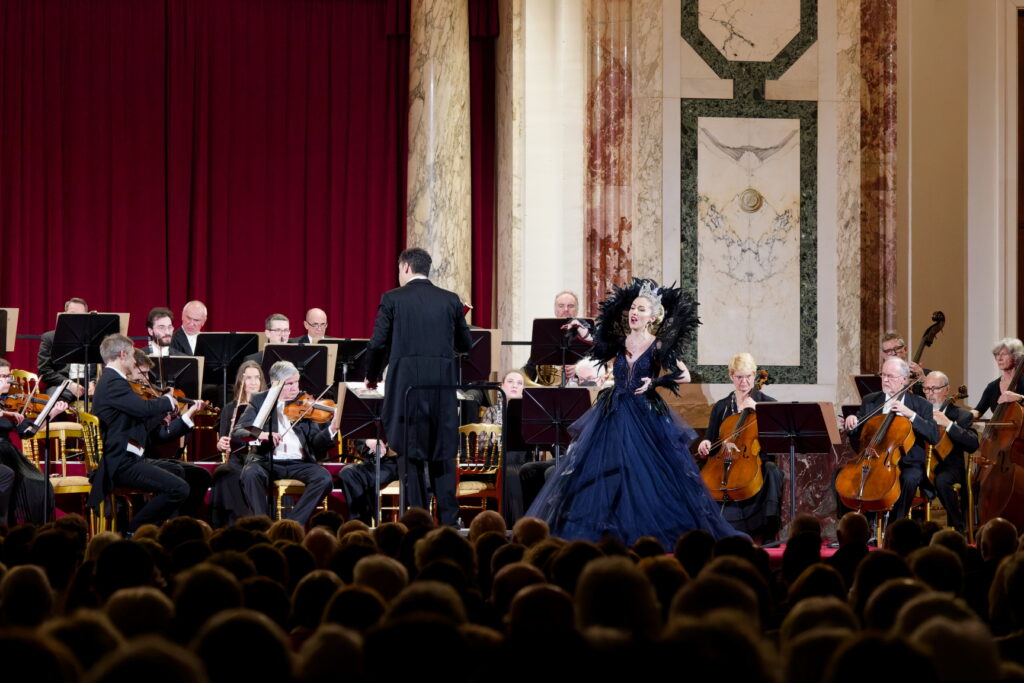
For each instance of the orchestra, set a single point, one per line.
(935, 461)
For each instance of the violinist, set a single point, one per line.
(169, 428)
(759, 515)
(956, 422)
(24, 490)
(227, 504)
(295, 450)
(895, 376)
(1007, 353)
(125, 418)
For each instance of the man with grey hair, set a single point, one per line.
(953, 422)
(193, 317)
(895, 375)
(124, 420)
(292, 450)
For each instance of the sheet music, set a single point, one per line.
(360, 390)
(268, 404)
(45, 412)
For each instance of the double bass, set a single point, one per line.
(1001, 481)
(734, 472)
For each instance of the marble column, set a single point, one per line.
(878, 175)
(439, 194)
(608, 215)
(509, 156)
(648, 49)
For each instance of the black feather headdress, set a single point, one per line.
(672, 333)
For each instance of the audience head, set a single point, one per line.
(939, 568)
(312, 593)
(429, 600)
(333, 653)
(529, 531)
(875, 569)
(997, 539)
(200, 593)
(88, 635)
(141, 610)
(569, 561)
(224, 642)
(26, 598)
(817, 612)
(386, 575)
(694, 550)
(488, 520)
(853, 528)
(858, 658)
(612, 592)
(321, 544)
(356, 607)
(888, 599)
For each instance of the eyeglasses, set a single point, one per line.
(283, 329)
(927, 388)
(893, 350)
(885, 376)
(319, 326)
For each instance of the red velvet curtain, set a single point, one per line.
(483, 33)
(248, 153)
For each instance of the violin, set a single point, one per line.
(29, 406)
(150, 392)
(734, 472)
(305, 407)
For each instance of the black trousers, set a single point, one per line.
(256, 480)
(948, 473)
(169, 491)
(357, 482)
(197, 478)
(440, 475)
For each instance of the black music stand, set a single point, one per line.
(551, 345)
(475, 365)
(27, 428)
(547, 414)
(224, 352)
(350, 361)
(3, 333)
(362, 418)
(866, 384)
(309, 359)
(793, 427)
(77, 339)
(179, 372)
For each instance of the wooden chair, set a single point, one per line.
(479, 475)
(292, 488)
(64, 436)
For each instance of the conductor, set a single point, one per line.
(422, 325)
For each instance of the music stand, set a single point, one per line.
(547, 414)
(29, 428)
(349, 359)
(866, 384)
(361, 418)
(477, 364)
(551, 345)
(8, 330)
(793, 427)
(315, 363)
(77, 339)
(224, 352)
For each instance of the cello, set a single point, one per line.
(734, 472)
(1001, 453)
(871, 481)
(928, 338)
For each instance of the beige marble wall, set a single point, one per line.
(439, 200)
(509, 159)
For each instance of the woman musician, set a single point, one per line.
(24, 490)
(759, 515)
(1007, 353)
(227, 504)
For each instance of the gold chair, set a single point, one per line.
(479, 475)
(86, 434)
(293, 488)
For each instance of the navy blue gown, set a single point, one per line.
(628, 471)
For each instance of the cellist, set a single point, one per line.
(895, 375)
(758, 516)
(1007, 353)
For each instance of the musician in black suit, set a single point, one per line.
(51, 373)
(357, 480)
(894, 346)
(956, 423)
(125, 424)
(277, 330)
(315, 323)
(297, 449)
(193, 317)
(418, 329)
(895, 375)
(160, 328)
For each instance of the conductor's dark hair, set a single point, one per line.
(418, 260)
(156, 313)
